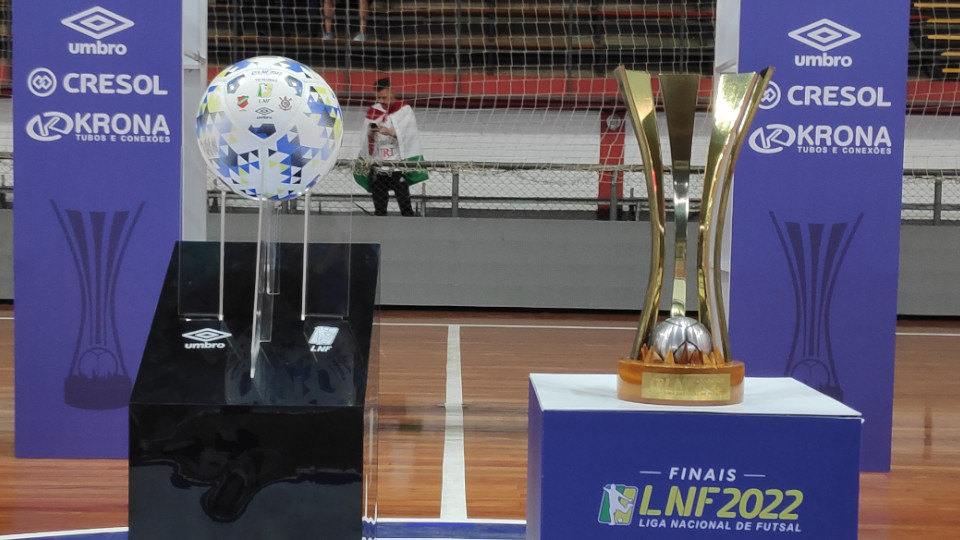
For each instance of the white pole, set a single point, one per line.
(193, 173)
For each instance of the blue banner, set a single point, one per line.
(97, 141)
(602, 470)
(816, 218)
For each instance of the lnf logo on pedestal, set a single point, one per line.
(815, 252)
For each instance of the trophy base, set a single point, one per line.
(662, 384)
(97, 393)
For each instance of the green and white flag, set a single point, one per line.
(381, 148)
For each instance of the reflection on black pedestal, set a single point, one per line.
(216, 454)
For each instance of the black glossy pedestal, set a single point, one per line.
(216, 454)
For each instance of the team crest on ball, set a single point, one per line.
(269, 127)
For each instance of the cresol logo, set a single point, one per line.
(97, 23)
(771, 96)
(824, 35)
(43, 82)
(821, 139)
(826, 96)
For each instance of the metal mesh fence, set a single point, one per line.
(537, 71)
(6, 182)
(563, 192)
(559, 192)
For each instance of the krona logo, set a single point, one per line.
(53, 125)
(97, 23)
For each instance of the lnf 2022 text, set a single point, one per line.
(728, 502)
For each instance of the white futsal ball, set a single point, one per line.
(269, 127)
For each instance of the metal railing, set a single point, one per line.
(515, 190)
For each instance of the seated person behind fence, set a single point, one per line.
(328, 16)
(391, 135)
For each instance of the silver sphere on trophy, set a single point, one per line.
(683, 338)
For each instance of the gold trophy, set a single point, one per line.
(683, 361)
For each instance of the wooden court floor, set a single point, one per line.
(491, 354)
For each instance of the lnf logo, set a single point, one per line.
(616, 507)
(321, 340)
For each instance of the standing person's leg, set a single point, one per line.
(380, 189)
(312, 15)
(255, 17)
(279, 17)
(363, 9)
(402, 191)
(329, 8)
(289, 19)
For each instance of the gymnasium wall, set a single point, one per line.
(558, 264)
(545, 263)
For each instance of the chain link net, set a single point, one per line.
(473, 67)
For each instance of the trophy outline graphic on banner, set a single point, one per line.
(814, 254)
(683, 360)
(98, 377)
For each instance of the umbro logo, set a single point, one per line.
(824, 35)
(97, 22)
(206, 338)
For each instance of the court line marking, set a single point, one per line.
(469, 521)
(535, 326)
(633, 328)
(453, 492)
(64, 533)
(575, 327)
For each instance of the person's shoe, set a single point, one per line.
(328, 36)
(360, 37)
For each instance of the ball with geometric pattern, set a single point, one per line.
(269, 127)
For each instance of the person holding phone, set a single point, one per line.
(391, 136)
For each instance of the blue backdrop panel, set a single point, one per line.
(97, 138)
(816, 216)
